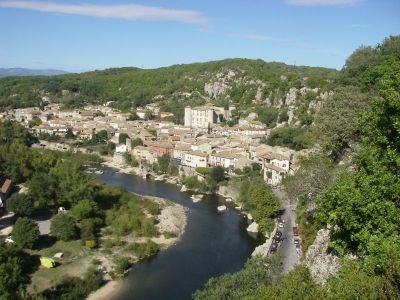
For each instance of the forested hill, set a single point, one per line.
(6, 72)
(243, 82)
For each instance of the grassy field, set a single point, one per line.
(75, 262)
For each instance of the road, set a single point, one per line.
(287, 247)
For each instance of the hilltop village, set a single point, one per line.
(203, 141)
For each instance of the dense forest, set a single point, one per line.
(358, 199)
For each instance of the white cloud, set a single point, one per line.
(261, 37)
(114, 11)
(322, 2)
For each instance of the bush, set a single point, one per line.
(25, 232)
(143, 250)
(90, 244)
(20, 204)
(121, 264)
(63, 227)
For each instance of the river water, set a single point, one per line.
(213, 244)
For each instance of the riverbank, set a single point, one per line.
(172, 221)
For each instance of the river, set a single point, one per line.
(213, 244)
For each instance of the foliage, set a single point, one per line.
(260, 201)
(85, 209)
(293, 137)
(20, 204)
(298, 284)
(143, 250)
(100, 137)
(34, 122)
(238, 285)
(338, 118)
(163, 163)
(136, 142)
(63, 226)
(131, 160)
(122, 138)
(25, 232)
(315, 173)
(75, 287)
(129, 217)
(13, 275)
(121, 264)
(192, 183)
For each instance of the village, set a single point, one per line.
(204, 140)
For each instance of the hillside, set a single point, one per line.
(6, 72)
(249, 84)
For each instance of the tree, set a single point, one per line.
(264, 206)
(122, 138)
(13, 277)
(25, 232)
(63, 226)
(237, 286)
(163, 163)
(337, 120)
(69, 134)
(20, 204)
(217, 174)
(136, 142)
(148, 115)
(100, 137)
(85, 209)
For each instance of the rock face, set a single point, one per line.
(321, 263)
(214, 89)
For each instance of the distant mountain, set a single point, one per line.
(5, 72)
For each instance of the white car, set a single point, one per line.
(9, 240)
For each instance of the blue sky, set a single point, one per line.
(86, 35)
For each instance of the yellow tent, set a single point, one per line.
(47, 262)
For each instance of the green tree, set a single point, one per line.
(163, 163)
(337, 120)
(85, 209)
(13, 277)
(136, 142)
(63, 226)
(238, 285)
(20, 204)
(217, 174)
(122, 138)
(25, 232)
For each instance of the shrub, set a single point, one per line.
(121, 264)
(143, 250)
(63, 227)
(25, 232)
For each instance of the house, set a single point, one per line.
(121, 149)
(225, 159)
(148, 154)
(162, 148)
(195, 159)
(179, 152)
(273, 175)
(5, 190)
(204, 116)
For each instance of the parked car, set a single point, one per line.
(280, 222)
(278, 235)
(274, 247)
(296, 241)
(295, 231)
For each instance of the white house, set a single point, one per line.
(273, 175)
(195, 159)
(121, 149)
